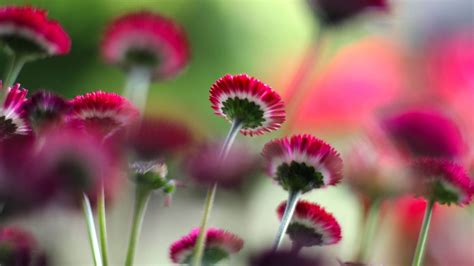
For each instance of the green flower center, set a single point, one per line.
(21, 45)
(299, 177)
(248, 112)
(444, 193)
(303, 235)
(211, 256)
(141, 57)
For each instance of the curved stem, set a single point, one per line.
(293, 197)
(137, 85)
(420, 246)
(102, 226)
(141, 200)
(370, 229)
(89, 217)
(17, 62)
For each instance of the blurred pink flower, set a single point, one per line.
(45, 109)
(19, 248)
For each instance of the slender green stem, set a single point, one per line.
(89, 217)
(137, 86)
(17, 61)
(293, 197)
(369, 230)
(420, 246)
(211, 193)
(102, 226)
(200, 242)
(142, 196)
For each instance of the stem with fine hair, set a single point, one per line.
(293, 197)
(102, 226)
(17, 61)
(211, 193)
(137, 85)
(142, 196)
(420, 246)
(370, 229)
(89, 218)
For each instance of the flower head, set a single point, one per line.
(146, 39)
(17, 247)
(220, 244)
(207, 166)
(302, 163)
(333, 12)
(12, 115)
(285, 258)
(45, 109)
(311, 225)
(102, 111)
(443, 181)
(249, 101)
(28, 30)
(425, 133)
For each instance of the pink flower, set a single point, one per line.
(45, 109)
(12, 115)
(302, 163)
(146, 39)
(102, 111)
(18, 248)
(220, 244)
(249, 101)
(28, 29)
(333, 12)
(442, 181)
(423, 132)
(311, 225)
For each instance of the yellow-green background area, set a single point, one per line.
(226, 36)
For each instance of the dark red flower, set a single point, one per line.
(12, 115)
(302, 163)
(45, 109)
(249, 101)
(19, 248)
(219, 245)
(284, 258)
(333, 12)
(28, 29)
(146, 39)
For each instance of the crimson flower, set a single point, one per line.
(12, 115)
(45, 109)
(18, 248)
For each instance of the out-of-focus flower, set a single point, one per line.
(19, 248)
(442, 181)
(302, 163)
(311, 225)
(146, 39)
(249, 101)
(206, 165)
(102, 111)
(45, 109)
(333, 12)
(79, 163)
(284, 258)
(155, 137)
(219, 245)
(425, 133)
(12, 115)
(26, 29)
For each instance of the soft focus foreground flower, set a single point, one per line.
(284, 258)
(25, 29)
(332, 12)
(302, 163)
(206, 165)
(219, 245)
(154, 137)
(12, 115)
(249, 101)
(425, 133)
(102, 111)
(45, 109)
(19, 248)
(442, 181)
(311, 225)
(149, 40)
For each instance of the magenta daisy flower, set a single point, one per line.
(148, 40)
(333, 12)
(45, 109)
(219, 245)
(443, 181)
(249, 102)
(102, 111)
(311, 225)
(12, 115)
(302, 163)
(26, 29)
(18, 247)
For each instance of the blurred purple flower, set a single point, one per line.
(45, 109)
(19, 248)
(284, 258)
